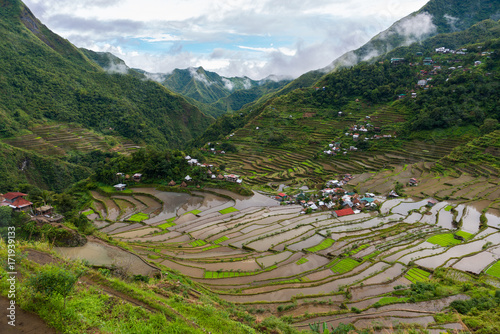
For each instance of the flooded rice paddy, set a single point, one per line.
(264, 252)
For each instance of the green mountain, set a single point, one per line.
(45, 78)
(216, 94)
(456, 102)
(436, 17)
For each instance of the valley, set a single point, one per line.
(359, 198)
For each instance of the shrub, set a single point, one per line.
(52, 280)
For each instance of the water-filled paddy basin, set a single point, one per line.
(367, 291)
(445, 219)
(243, 202)
(312, 241)
(112, 208)
(151, 204)
(136, 233)
(113, 227)
(389, 204)
(493, 217)
(100, 224)
(475, 263)
(386, 275)
(127, 228)
(100, 208)
(270, 260)
(127, 208)
(405, 206)
(424, 249)
(186, 270)
(437, 260)
(100, 254)
(471, 220)
(287, 294)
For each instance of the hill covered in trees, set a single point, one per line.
(45, 78)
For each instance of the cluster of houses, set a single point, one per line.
(213, 150)
(333, 198)
(137, 177)
(17, 202)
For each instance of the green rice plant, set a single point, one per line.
(494, 270)
(357, 250)
(448, 208)
(210, 247)
(444, 240)
(302, 261)
(197, 243)
(343, 266)
(167, 224)
(194, 212)
(138, 217)
(87, 213)
(464, 235)
(221, 239)
(323, 245)
(415, 275)
(228, 210)
(369, 256)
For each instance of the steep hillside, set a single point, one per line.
(437, 16)
(18, 166)
(219, 94)
(44, 77)
(412, 112)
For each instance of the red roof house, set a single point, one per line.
(343, 212)
(16, 201)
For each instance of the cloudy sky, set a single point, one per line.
(231, 37)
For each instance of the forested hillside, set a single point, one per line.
(44, 77)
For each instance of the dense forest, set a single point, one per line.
(44, 77)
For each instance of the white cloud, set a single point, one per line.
(416, 26)
(232, 37)
(199, 77)
(228, 84)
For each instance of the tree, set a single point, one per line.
(52, 280)
(5, 216)
(488, 126)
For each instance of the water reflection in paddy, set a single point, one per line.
(99, 254)
(471, 220)
(404, 207)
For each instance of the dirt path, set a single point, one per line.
(26, 323)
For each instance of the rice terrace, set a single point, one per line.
(363, 268)
(307, 192)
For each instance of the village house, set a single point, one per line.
(137, 177)
(397, 61)
(44, 210)
(282, 197)
(232, 178)
(16, 201)
(343, 212)
(193, 162)
(120, 186)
